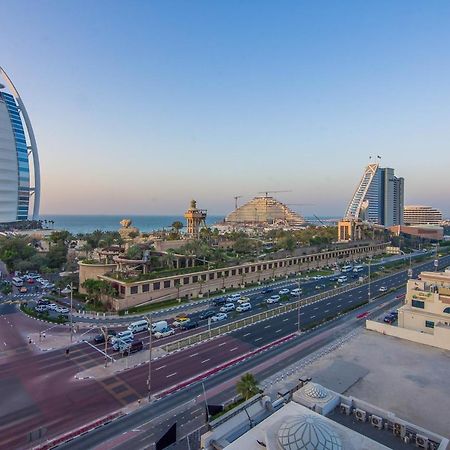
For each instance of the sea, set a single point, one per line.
(89, 223)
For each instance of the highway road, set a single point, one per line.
(180, 366)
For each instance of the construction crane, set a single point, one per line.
(320, 220)
(236, 199)
(271, 192)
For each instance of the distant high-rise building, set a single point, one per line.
(19, 161)
(378, 198)
(422, 215)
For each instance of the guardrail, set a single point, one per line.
(250, 320)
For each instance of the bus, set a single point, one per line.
(348, 268)
(357, 269)
(18, 282)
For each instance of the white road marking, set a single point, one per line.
(312, 317)
(223, 343)
(258, 339)
(267, 326)
(278, 331)
(193, 354)
(171, 375)
(233, 349)
(316, 308)
(327, 310)
(206, 360)
(160, 367)
(285, 320)
(246, 334)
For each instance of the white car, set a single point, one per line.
(227, 307)
(296, 291)
(52, 306)
(40, 308)
(164, 333)
(273, 299)
(233, 298)
(244, 307)
(243, 300)
(383, 289)
(218, 317)
(62, 310)
(284, 291)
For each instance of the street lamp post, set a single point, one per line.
(105, 335)
(298, 309)
(149, 377)
(206, 401)
(370, 260)
(71, 311)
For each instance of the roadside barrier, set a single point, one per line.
(78, 432)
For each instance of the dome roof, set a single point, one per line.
(314, 390)
(307, 432)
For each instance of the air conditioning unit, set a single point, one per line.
(345, 409)
(360, 414)
(376, 421)
(421, 441)
(399, 429)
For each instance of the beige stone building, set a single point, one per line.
(194, 282)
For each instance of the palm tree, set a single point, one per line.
(177, 226)
(247, 386)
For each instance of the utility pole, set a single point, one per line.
(298, 309)
(436, 261)
(370, 260)
(149, 378)
(206, 401)
(105, 335)
(71, 313)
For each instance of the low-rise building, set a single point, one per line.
(421, 215)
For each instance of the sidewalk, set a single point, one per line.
(121, 364)
(57, 339)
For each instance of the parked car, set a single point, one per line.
(207, 314)
(52, 306)
(164, 333)
(273, 299)
(284, 291)
(62, 310)
(180, 321)
(189, 325)
(23, 290)
(40, 308)
(383, 289)
(389, 319)
(244, 307)
(43, 301)
(227, 307)
(219, 316)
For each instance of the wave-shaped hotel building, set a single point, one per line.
(19, 160)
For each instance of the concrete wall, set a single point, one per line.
(92, 271)
(440, 338)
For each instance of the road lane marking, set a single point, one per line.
(160, 367)
(316, 308)
(171, 375)
(246, 334)
(285, 320)
(327, 310)
(193, 354)
(233, 349)
(278, 331)
(206, 360)
(267, 326)
(223, 343)
(258, 339)
(312, 317)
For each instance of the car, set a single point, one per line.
(189, 325)
(180, 321)
(284, 291)
(62, 310)
(219, 316)
(267, 290)
(296, 291)
(227, 307)
(389, 319)
(120, 344)
(207, 314)
(244, 307)
(383, 289)
(219, 301)
(100, 338)
(40, 308)
(164, 333)
(394, 314)
(233, 298)
(43, 301)
(52, 306)
(400, 296)
(48, 285)
(243, 300)
(125, 334)
(273, 299)
(318, 286)
(30, 281)
(362, 315)
(133, 347)
(23, 290)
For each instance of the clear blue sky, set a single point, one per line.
(140, 106)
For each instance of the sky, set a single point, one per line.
(140, 106)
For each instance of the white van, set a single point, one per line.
(348, 268)
(159, 326)
(296, 291)
(342, 279)
(357, 269)
(233, 297)
(140, 325)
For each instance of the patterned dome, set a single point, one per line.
(307, 432)
(314, 390)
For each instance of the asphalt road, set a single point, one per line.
(180, 366)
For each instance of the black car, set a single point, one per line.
(206, 314)
(189, 325)
(100, 338)
(135, 346)
(220, 301)
(43, 301)
(267, 290)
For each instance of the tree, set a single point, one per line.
(15, 249)
(60, 237)
(177, 226)
(247, 386)
(135, 252)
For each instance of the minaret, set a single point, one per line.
(195, 219)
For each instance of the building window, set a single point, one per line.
(429, 323)
(145, 287)
(133, 290)
(167, 284)
(195, 279)
(156, 286)
(204, 277)
(233, 272)
(227, 273)
(122, 289)
(211, 276)
(186, 280)
(418, 304)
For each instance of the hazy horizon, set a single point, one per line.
(145, 107)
